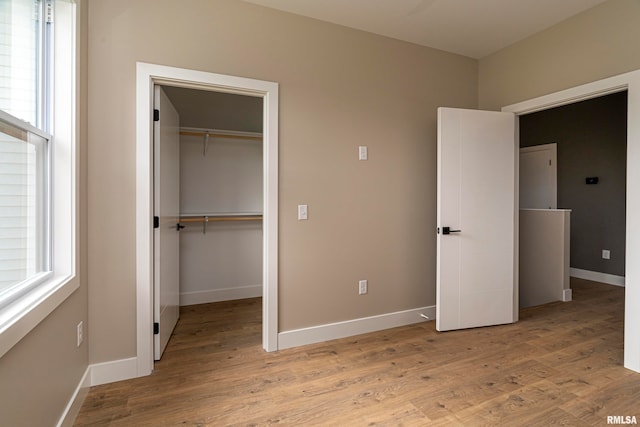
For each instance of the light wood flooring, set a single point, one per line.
(561, 364)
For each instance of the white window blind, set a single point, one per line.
(20, 67)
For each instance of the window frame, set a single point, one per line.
(15, 291)
(23, 313)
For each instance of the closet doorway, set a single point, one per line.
(208, 197)
(148, 77)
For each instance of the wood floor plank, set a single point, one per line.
(555, 417)
(561, 364)
(516, 407)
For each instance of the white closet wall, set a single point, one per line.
(223, 261)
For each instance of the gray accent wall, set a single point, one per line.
(592, 142)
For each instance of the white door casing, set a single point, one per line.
(166, 278)
(631, 83)
(147, 75)
(476, 283)
(539, 177)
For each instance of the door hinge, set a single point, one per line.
(156, 328)
(156, 115)
(156, 222)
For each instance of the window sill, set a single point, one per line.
(21, 316)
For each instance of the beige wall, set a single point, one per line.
(544, 255)
(40, 373)
(598, 43)
(339, 88)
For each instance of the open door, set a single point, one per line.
(166, 280)
(476, 282)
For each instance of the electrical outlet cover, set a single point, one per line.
(79, 333)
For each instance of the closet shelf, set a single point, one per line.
(206, 219)
(220, 217)
(213, 133)
(219, 135)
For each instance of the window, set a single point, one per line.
(24, 149)
(24, 224)
(37, 162)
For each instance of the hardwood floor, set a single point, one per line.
(561, 364)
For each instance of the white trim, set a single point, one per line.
(332, 331)
(146, 76)
(609, 279)
(112, 371)
(75, 403)
(19, 318)
(570, 96)
(567, 295)
(215, 295)
(630, 82)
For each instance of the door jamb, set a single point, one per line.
(147, 75)
(631, 83)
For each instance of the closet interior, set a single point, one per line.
(221, 195)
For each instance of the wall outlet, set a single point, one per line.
(79, 333)
(363, 287)
(606, 254)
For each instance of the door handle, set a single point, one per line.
(448, 230)
(179, 226)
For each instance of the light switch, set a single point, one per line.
(363, 152)
(302, 212)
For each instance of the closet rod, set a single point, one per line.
(205, 218)
(220, 135)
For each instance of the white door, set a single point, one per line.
(476, 282)
(167, 208)
(538, 177)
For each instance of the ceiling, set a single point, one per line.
(474, 28)
(216, 110)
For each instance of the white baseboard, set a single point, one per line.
(349, 328)
(124, 369)
(567, 295)
(215, 295)
(116, 370)
(96, 374)
(595, 276)
(77, 399)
